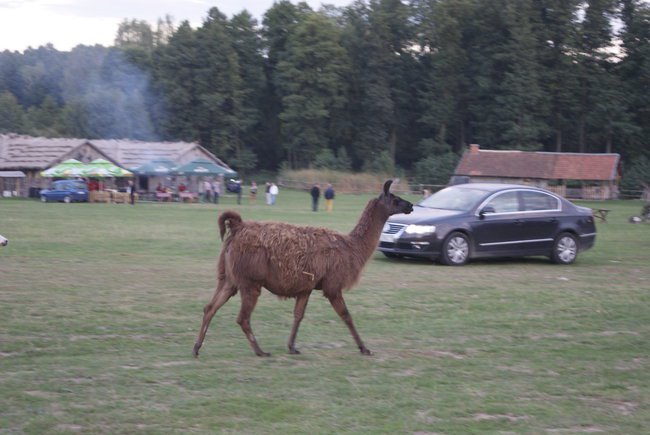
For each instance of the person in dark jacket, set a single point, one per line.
(315, 194)
(329, 198)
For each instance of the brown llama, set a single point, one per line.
(291, 261)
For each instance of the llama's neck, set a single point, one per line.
(367, 231)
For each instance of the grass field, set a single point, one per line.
(100, 306)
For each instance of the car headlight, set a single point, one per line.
(420, 230)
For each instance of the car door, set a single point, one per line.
(540, 221)
(57, 192)
(498, 230)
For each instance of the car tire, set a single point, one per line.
(43, 198)
(67, 199)
(455, 249)
(565, 249)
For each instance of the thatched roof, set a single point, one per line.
(28, 152)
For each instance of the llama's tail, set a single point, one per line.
(230, 220)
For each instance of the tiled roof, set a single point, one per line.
(17, 151)
(541, 165)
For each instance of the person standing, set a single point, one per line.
(131, 190)
(240, 188)
(253, 192)
(216, 190)
(329, 198)
(207, 187)
(273, 190)
(268, 193)
(201, 186)
(315, 195)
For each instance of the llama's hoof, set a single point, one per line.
(294, 351)
(263, 354)
(195, 351)
(365, 351)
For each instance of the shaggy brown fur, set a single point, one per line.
(291, 261)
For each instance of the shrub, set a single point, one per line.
(436, 169)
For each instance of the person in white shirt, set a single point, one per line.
(274, 192)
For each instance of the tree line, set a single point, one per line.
(379, 85)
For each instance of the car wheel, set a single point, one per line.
(565, 249)
(455, 249)
(43, 198)
(67, 199)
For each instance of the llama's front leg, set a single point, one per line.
(298, 314)
(221, 296)
(248, 301)
(339, 306)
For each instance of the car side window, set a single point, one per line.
(506, 202)
(537, 201)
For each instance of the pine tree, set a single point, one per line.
(311, 82)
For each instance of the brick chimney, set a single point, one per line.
(474, 148)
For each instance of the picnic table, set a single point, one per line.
(600, 214)
(163, 196)
(188, 197)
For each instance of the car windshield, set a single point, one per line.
(453, 198)
(68, 184)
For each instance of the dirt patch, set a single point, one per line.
(577, 429)
(444, 354)
(171, 364)
(69, 428)
(508, 417)
(7, 354)
(42, 394)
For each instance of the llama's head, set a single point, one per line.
(393, 203)
(3, 241)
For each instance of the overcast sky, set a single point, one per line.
(67, 23)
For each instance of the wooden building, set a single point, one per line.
(572, 175)
(31, 155)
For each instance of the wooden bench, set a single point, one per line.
(600, 214)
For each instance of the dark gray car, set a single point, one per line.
(481, 220)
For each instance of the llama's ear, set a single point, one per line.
(387, 186)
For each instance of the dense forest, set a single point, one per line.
(373, 86)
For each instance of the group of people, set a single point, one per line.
(210, 191)
(328, 195)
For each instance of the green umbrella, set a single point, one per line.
(203, 167)
(159, 167)
(67, 169)
(101, 168)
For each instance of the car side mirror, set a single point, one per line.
(485, 210)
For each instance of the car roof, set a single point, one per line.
(495, 187)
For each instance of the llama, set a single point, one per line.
(3, 241)
(291, 261)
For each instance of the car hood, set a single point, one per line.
(424, 215)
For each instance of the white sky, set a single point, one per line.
(67, 23)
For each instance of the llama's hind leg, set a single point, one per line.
(342, 310)
(221, 296)
(298, 314)
(248, 301)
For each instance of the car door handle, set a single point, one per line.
(519, 222)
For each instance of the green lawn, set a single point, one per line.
(100, 305)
